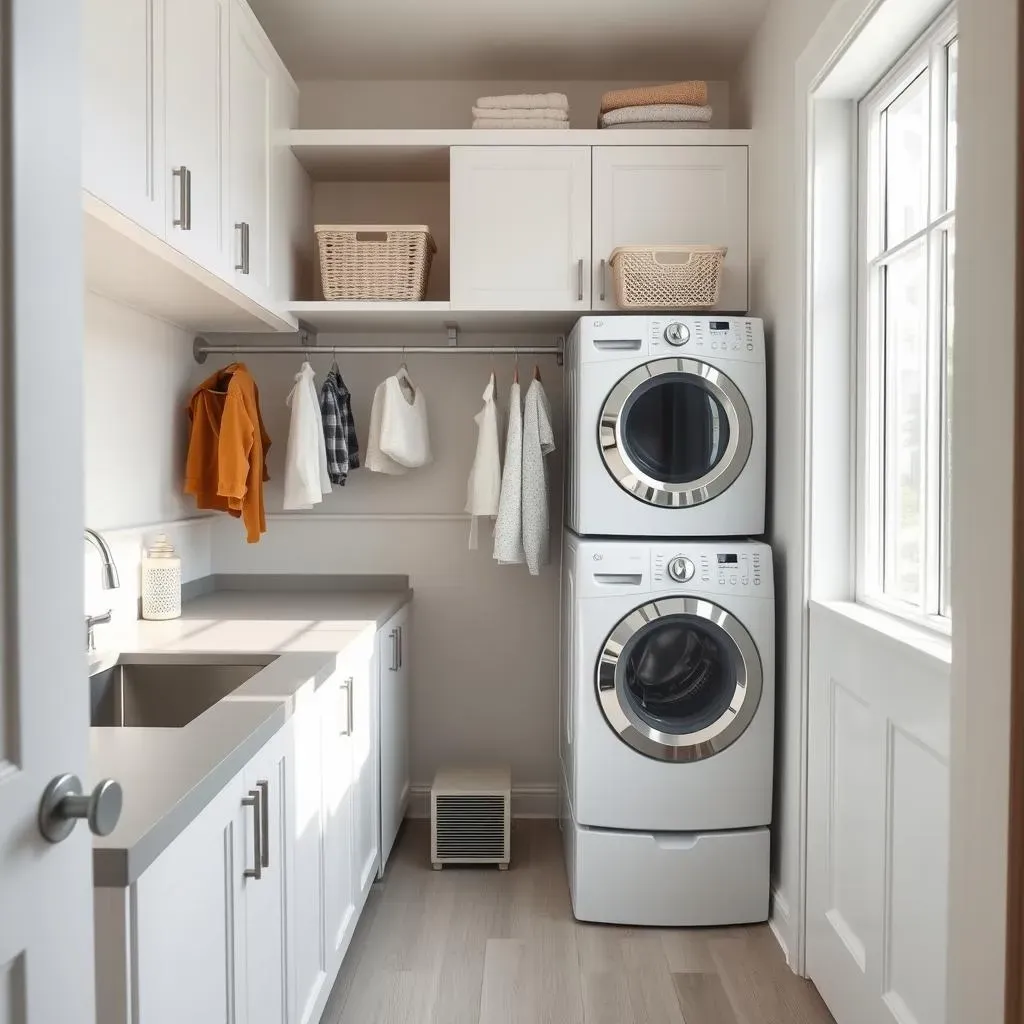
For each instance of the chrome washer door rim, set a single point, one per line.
(666, 746)
(631, 478)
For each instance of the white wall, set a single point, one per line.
(485, 637)
(763, 98)
(448, 104)
(138, 374)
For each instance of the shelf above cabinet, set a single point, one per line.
(421, 154)
(402, 317)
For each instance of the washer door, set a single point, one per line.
(675, 432)
(679, 679)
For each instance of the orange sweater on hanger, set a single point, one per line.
(227, 448)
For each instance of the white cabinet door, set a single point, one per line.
(123, 107)
(366, 770)
(249, 121)
(189, 918)
(338, 813)
(306, 946)
(393, 643)
(266, 835)
(651, 195)
(520, 227)
(196, 47)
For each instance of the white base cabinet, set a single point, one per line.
(247, 915)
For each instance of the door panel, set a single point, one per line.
(650, 195)
(196, 44)
(393, 671)
(365, 768)
(45, 890)
(520, 226)
(123, 108)
(878, 824)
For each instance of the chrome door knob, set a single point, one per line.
(64, 803)
(681, 569)
(677, 333)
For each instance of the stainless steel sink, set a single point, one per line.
(165, 692)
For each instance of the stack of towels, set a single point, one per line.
(678, 105)
(537, 110)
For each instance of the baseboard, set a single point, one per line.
(532, 800)
(780, 921)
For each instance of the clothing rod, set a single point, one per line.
(201, 350)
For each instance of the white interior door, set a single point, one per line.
(878, 822)
(46, 943)
(520, 218)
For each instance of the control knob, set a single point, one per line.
(677, 333)
(681, 569)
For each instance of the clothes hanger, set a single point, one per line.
(536, 373)
(516, 378)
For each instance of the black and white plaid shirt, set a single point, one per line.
(339, 427)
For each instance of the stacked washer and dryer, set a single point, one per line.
(668, 622)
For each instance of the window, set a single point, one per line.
(905, 340)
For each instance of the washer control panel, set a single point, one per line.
(740, 567)
(728, 337)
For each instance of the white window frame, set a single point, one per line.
(929, 51)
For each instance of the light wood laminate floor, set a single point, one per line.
(482, 946)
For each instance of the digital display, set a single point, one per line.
(719, 325)
(727, 559)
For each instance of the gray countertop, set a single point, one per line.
(170, 775)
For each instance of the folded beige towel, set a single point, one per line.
(531, 100)
(513, 113)
(694, 93)
(657, 112)
(655, 124)
(519, 122)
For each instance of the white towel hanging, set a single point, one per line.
(484, 487)
(538, 442)
(508, 530)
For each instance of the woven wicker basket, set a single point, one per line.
(667, 276)
(366, 261)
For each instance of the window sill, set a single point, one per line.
(928, 642)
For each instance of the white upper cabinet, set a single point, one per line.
(520, 227)
(122, 110)
(249, 102)
(196, 48)
(652, 195)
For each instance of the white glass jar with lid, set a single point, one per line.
(161, 581)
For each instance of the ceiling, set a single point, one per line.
(555, 40)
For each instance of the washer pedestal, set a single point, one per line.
(667, 879)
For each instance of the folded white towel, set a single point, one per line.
(511, 113)
(531, 100)
(519, 122)
(656, 112)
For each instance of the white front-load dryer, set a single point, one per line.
(665, 426)
(667, 729)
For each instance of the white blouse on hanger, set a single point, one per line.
(306, 479)
(538, 442)
(484, 487)
(508, 530)
(404, 433)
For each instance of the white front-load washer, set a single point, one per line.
(667, 705)
(665, 426)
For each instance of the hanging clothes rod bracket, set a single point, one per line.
(453, 334)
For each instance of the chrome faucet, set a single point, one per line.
(110, 581)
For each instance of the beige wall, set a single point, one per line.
(448, 104)
(763, 98)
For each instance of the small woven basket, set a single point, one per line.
(667, 276)
(361, 261)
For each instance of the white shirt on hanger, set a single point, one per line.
(404, 433)
(538, 442)
(508, 530)
(305, 468)
(484, 487)
(376, 460)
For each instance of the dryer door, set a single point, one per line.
(679, 679)
(675, 432)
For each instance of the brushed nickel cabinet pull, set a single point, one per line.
(264, 786)
(253, 801)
